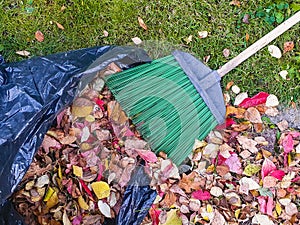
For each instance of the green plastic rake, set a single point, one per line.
(177, 99)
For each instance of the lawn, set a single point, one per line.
(168, 21)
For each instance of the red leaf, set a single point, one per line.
(154, 214)
(201, 195)
(267, 167)
(39, 36)
(85, 187)
(288, 144)
(258, 99)
(279, 174)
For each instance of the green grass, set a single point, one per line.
(169, 21)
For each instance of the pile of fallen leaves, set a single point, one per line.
(245, 172)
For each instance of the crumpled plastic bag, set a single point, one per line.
(32, 93)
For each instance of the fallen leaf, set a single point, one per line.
(236, 112)
(288, 143)
(59, 26)
(82, 107)
(274, 51)
(201, 195)
(267, 167)
(226, 52)
(172, 218)
(251, 169)
(39, 36)
(147, 155)
(269, 182)
(247, 37)
(272, 101)
(216, 191)
(77, 171)
(235, 89)
(189, 39)
(142, 24)
(257, 99)
(101, 189)
(229, 85)
(202, 34)
(288, 46)
(246, 18)
(262, 220)
(65, 219)
(240, 98)
(247, 184)
(105, 33)
(253, 115)
(23, 53)
(82, 203)
(283, 74)
(235, 2)
(42, 181)
(291, 209)
(218, 219)
(247, 144)
(136, 40)
(234, 164)
(104, 209)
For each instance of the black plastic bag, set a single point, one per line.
(32, 93)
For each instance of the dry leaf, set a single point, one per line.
(247, 37)
(137, 40)
(59, 26)
(104, 208)
(82, 203)
(189, 39)
(283, 74)
(272, 101)
(226, 52)
(235, 89)
(229, 85)
(77, 171)
(23, 53)
(105, 33)
(82, 107)
(235, 2)
(274, 51)
(247, 143)
(101, 189)
(65, 219)
(240, 98)
(202, 34)
(236, 112)
(246, 18)
(216, 191)
(142, 24)
(288, 46)
(39, 36)
(253, 115)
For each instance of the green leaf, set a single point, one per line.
(251, 169)
(265, 192)
(282, 6)
(279, 17)
(270, 19)
(1, 47)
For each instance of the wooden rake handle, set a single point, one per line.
(259, 44)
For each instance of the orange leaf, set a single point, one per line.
(247, 37)
(229, 84)
(235, 2)
(59, 26)
(39, 36)
(142, 24)
(288, 46)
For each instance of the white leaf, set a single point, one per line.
(202, 34)
(272, 101)
(274, 51)
(240, 97)
(216, 191)
(85, 134)
(298, 149)
(23, 53)
(136, 40)
(42, 181)
(235, 89)
(65, 219)
(262, 220)
(104, 208)
(283, 74)
(247, 184)
(105, 33)
(112, 199)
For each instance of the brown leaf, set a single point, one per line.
(169, 199)
(288, 46)
(188, 183)
(236, 112)
(253, 115)
(235, 2)
(229, 85)
(116, 113)
(142, 24)
(59, 26)
(247, 37)
(39, 36)
(246, 19)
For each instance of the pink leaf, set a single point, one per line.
(234, 164)
(295, 134)
(288, 144)
(201, 195)
(77, 220)
(258, 99)
(262, 204)
(147, 155)
(267, 167)
(279, 174)
(50, 142)
(154, 214)
(270, 206)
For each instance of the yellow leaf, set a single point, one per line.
(251, 169)
(52, 201)
(48, 195)
(289, 159)
(209, 208)
(82, 203)
(210, 169)
(59, 173)
(90, 118)
(101, 189)
(77, 171)
(172, 218)
(237, 213)
(278, 208)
